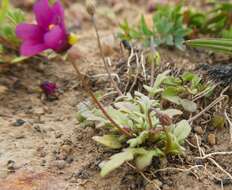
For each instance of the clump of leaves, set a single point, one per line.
(179, 90)
(219, 18)
(168, 28)
(216, 21)
(9, 18)
(195, 20)
(154, 134)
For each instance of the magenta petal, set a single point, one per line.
(58, 12)
(43, 12)
(29, 48)
(55, 39)
(58, 9)
(29, 32)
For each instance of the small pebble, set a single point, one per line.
(66, 149)
(39, 111)
(90, 132)
(193, 140)
(37, 128)
(18, 123)
(150, 186)
(3, 89)
(11, 166)
(69, 160)
(58, 134)
(60, 164)
(198, 130)
(165, 187)
(62, 156)
(42, 154)
(212, 139)
(19, 135)
(43, 163)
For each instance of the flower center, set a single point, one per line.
(51, 26)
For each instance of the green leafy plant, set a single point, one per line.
(219, 18)
(168, 28)
(178, 90)
(195, 20)
(153, 132)
(9, 18)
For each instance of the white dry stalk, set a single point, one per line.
(202, 155)
(143, 66)
(128, 69)
(103, 57)
(230, 124)
(112, 80)
(129, 60)
(220, 167)
(215, 177)
(215, 102)
(203, 93)
(137, 72)
(109, 94)
(201, 152)
(180, 169)
(115, 75)
(214, 154)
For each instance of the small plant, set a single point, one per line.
(219, 18)
(168, 28)
(154, 131)
(154, 134)
(195, 20)
(9, 18)
(178, 90)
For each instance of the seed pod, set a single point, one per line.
(90, 7)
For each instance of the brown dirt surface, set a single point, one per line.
(43, 147)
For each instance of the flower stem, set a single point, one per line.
(103, 58)
(98, 104)
(149, 119)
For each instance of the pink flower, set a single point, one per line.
(49, 88)
(48, 33)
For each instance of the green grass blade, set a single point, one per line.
(217, 45)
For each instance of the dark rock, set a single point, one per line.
(19, 122)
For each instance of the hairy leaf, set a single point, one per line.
(182, 130)
(188, 105)
(172, 112)
(143, 136)
(116, 161)
(110, 141)
(144, 160)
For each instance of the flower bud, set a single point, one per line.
(164, 119)
(90, 7)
